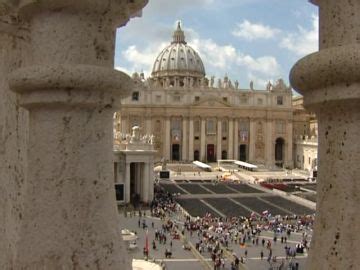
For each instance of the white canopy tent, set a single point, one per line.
(144, 265)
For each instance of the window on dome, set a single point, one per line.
(182, 58)
(279, 100)
(172, 58)
(135, 96)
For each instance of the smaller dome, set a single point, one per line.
(178, 59)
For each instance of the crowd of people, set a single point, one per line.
(215, 236)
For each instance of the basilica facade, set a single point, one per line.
(193, 117)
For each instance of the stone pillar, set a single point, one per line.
(146, 184)
(289, 141)
(184, 147)
(231, 139)
(151, 179)
(13, 140)
(236, 139)
(252, 140)
(127, 182)
(167, 142)
(330, 83)
(191, 139)
(70, 89)
(203, 140)
(269, 144)
(218, 138)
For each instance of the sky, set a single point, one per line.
(248, 40)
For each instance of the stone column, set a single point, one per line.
(184, 146)
(191, 139)
(203, 140)
(70, 89)
(13, 140)
(231, 139)
(252, 138)
(289, 141)
(330, 83)
(236, 139)
(269, 141)
(151, 179)
(218, 138)
(146, 184)
(127, 182)
(167, 142)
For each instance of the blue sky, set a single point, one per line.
(255, 40)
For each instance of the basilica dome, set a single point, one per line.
(178, 59)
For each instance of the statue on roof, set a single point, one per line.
(269, 86)
(251, 85)
(236, 84)
(212, 81)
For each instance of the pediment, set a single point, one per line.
(211, 102)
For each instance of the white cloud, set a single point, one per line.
(251, 31)
(218, 60)
(305, 41)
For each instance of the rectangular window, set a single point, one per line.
(280, 127)
(280, 100)
(197, 99)
(176, 98)
(211, 127)
(259, 101)
(196, 138)
(243, 100)
(225, 99)
(158, 98)
(135, 96)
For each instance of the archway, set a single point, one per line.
(279, 152)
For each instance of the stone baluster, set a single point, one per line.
(70, 89)
(330, 83)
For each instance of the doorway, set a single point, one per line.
(242, 151)
(175, 152)
(210, 153)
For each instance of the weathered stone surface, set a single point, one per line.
(62, 73)
(13, 139)
(330, 83)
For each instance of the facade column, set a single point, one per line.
(269, 143)
(191, 139)
(218, 138)
(151, 179)
(167, 139)
(70, 89)
(184, 147)
(252, 138)
(289, 150)
(231, 139)
(203, 140)
(146, 182)
(329, 82)
(236, 139)
(127, 182)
